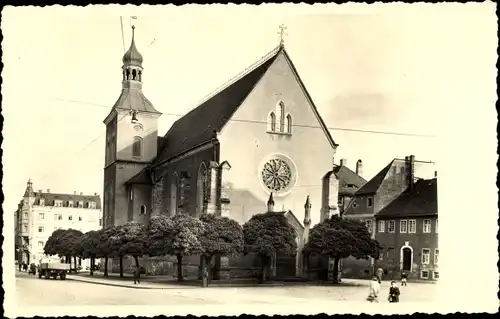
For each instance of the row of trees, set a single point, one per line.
(209, 236)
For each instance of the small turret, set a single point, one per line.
(307, 211)
(270, 203)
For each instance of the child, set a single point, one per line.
(374, 290)
(404, 276)
(393, 292)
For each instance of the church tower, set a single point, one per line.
(131, 139)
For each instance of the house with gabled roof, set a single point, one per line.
(258, 134)
(407, 229)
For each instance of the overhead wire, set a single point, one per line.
(293, 125)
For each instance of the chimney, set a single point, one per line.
(48, 190)
(95, 194)
(39, 191)
(343, 162)
(74, 192)
(435, 174)
(81, 193)
(410, 162)
(359, 168)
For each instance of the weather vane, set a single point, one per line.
(282, 33)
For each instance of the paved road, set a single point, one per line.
(34, 292)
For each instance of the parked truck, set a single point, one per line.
(53, 268)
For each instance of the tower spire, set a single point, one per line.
(270, 203)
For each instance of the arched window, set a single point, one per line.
(143, 210)
(280, 114)
(137, 147)
(201, 189)
(271, 122)
(289, 124)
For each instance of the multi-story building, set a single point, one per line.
(40, 213)
(375, 195)
(407, 228)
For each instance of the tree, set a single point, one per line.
(114, 242)
(221, 236)
(52, 246)
(90, 243)
(183, 238)
(158, 235)
(133, 240)
(63, 243)
(105, 247)
(340, 238)
(268, 234)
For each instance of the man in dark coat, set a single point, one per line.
(394, 292)
(137, 275)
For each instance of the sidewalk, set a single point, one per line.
(169, 282)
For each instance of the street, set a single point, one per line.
(34, 292)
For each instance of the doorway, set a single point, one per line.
(407, 259)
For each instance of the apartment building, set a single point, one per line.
(40, 213)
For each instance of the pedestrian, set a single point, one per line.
(404, 277)
(393, 292)
(137, 275)
(380, 272)
(25, 266)
(20, 266)
(374, 290)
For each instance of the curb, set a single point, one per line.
(114, 285)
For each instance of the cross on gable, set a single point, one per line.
(282, 33)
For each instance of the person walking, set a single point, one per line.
(379, 273)
(137, 275)
(404, 277)
(374, 290)
(394, 292)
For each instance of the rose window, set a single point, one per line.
(277, 175)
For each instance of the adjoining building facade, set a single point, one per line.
(407, 228)
(39, 213)
(373, 197)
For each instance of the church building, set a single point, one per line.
(259, 134)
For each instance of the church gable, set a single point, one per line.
(281, 101)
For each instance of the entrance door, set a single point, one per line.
(407, 259)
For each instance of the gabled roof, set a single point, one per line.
(199, 126)
(421, 200)
(373, 184)
(349, 181)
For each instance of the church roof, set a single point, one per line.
(420, 200)
(131, 98)
(132, 56)
(199, 125)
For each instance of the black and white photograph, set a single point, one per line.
(270, 159)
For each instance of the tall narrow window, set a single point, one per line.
(201, 188)
(280, 114)
(137, 147)
(289, 124)
(143, 209)
(271, 122)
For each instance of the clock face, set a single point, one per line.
(278, 174)
(138, 127)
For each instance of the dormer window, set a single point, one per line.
(92, 205)
(58, 203)
(70, 203)
(42, 202)
(80, 204)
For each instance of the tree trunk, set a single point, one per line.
(136, 258)
(106, 266)
(91, 265)
(121, 266)
(76, 265)
(204, 271)
(79, 261)
(179, 268)
(210, 269)
(336, 270)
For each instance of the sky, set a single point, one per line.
(384, 69)
(424, 69)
